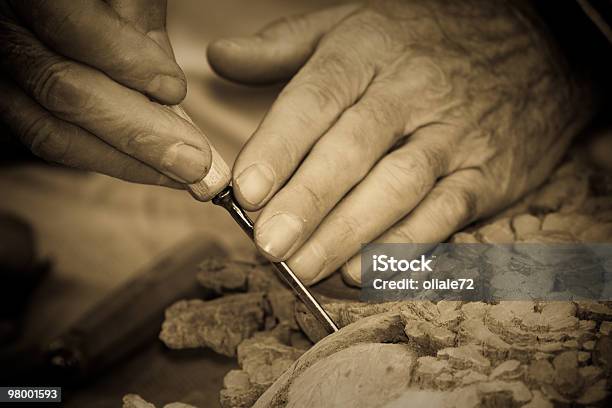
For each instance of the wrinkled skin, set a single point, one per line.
(82, 82)
(404, 121)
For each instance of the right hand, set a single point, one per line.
(78, 84)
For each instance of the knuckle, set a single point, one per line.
(462, 203)
(348, 157)
(280, 150)
(406, 176)
(379, 113)
(42, 138)
(57, 87)
(348, 228)
(314, 92)
(404, 234)
(310, 195)
(330, 61)
(395, 175)
(138, 142)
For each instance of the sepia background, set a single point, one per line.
(97, 233)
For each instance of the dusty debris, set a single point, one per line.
(525, 224)
(498, 232)
(135, 401)
(513, 353)
(220, 324)
(495, 360)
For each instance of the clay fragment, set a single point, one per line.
(567, 378)
(263, 358)
(220, 324)
(499, 232)
(222, 276)
(525, 224)
(135, 401)
(467, 356)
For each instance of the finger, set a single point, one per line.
(391, 190)
(92, 32)
(61, 142)
(277, 51)
(338, 161)
(122, 117)
(452, 204)
(148, 17)
(331, 82)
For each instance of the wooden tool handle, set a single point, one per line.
(218, 176)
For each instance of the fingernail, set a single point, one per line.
(166, 87)
(185, 163)
(351, 272)
(278, 234)
(309, 263)
(254, 183)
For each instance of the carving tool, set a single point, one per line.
(216, 187)
(216, 183)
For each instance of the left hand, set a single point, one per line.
(406, 121)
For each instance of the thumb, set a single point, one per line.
(277, 51)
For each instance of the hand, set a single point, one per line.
(76, 78)
(405, 121)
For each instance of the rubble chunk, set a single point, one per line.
(538, 401)
(135, 401)
(464, 238)
(498, 232)
(428, 369)
(567, 378)
(221, 276)
(541, 371)
(590, 374)
(467, 356)
(264, 359)
(594, 394)
(509, 369)
(220, 324)
(592, 310)
(428, 336)
(525, 224)
(473, 377)
(237, 391)
(601, 232)
(573, 223)
(519, 393)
